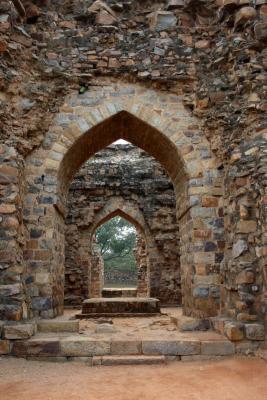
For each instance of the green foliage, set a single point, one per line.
(116, 240)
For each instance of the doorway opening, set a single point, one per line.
(116, 242)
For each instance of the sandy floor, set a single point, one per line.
(232, 379)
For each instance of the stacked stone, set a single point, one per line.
(12, 266)
(125, 172)
(213, 54)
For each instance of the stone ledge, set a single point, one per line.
(217, 348)
(128, 360)
(169, 347)
(19, 331)
(82, 347)
(58, 326)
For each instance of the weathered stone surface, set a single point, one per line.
(19, 331)
(126, 347)
(120, 305)
(161, 20)
(36, 347)
(103, 186)
(261, 31)
(234, 331)
(245, 14)
(217, 348)
(254, 331)
(239, 247)
(167, 347)
(4, 347)
(84, 347)
(132, 360)
(221, 141)
(58, 326)
(105, 328)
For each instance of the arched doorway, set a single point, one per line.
(159, 124)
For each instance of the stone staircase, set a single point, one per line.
(61, 340)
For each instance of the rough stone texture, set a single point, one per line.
(217, 348)
(4, 347)
(123, 180)
(121, 305)
(83, 347)
(171, 347)
(24, 331)
(126, 347)
(198, 88)
(58, 326)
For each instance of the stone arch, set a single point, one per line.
(158, 123)
(119, 207)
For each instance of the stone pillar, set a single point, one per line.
(97, 272)
(244, 266)
(142, 264)
(13, 301)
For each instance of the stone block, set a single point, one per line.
(245, 277)
(239, 248)
(175, 4)
(246, 226)
(58, 326)
(217, 348)
(234, 331)
(201, 292)
(171, 347)
(105, 328)
(36, 347)
(19, 331)
(132, 360)
(161, 20)
(120, 347)
(255, 331)
(84, 347)
(260, 30)
(10, 290)
(4, 347)
(245, 14)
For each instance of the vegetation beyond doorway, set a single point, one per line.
(116, 241)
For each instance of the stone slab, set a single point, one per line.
(171, 347)
(121, 305)
(128, 347)
(48, 347)
(4, 347)
(217, 348)
(19, 331)
(84, 347)
(58, 326)
(132, 360)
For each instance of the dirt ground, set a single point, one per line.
(231, 379)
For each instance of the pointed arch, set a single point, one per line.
(158, 123)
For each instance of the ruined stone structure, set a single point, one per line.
(183, 80)
(124, 180)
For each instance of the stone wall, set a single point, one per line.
(124, 174)
(212, 56)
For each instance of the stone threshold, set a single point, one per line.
(116, 315)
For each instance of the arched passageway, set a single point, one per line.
(159, 124)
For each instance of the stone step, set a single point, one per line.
(121, 305)
(129, 360)
(189, 324)
(82, 346)
(58, 326)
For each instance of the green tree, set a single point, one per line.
(116, 239)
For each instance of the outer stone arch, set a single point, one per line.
(158, 123)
